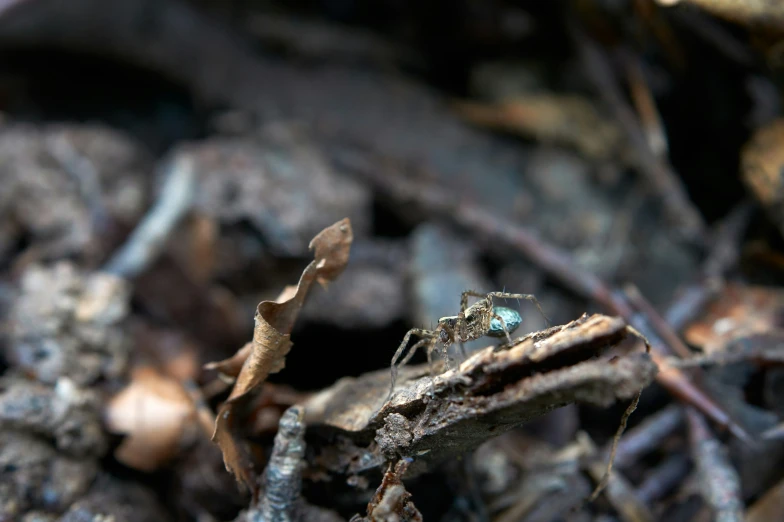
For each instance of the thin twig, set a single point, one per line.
(710, 30)
(648, 435)
(283, 475)
(605, 479)
(645, 104)
(718, 479)
(664, 478)
(724, 252)
(723, 255)
(656, 321)
(658, 172)
(150, 235)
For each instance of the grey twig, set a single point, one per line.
(663, 479)
(722, 256)
(282, 479)
(149, 237)
(648, 435)
(718, 479)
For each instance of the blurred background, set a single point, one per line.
(165, 164)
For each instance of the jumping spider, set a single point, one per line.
(472, 323)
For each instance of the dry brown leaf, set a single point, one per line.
(762, 158)
(571, 120)
(769, 507)
(171, 351)
(271, 342)
(740, 311)
(231, 367)
(750, 12)
(154, 412)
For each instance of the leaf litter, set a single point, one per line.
(266, 353)
(254, 215)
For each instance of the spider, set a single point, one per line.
(472, 323)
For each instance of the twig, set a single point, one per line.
(724, 252)
(709, 29)
(723, 255)
(5, 5)
(718, 479)
(663, 479)
(619, 491)
(149, 237)
(283, 475)
(608, 472)
(658, 172)
(648, 435)
(656, 321)
(646, 107)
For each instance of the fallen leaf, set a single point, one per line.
(762, 158)
(740, 311)
(755, 14)
(769, 507)
(153, 411)
(266, 353)
(570, 120)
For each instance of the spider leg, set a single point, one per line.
(430, 350)
(420, 343)
(503, 325)
(427, 335)
(529, 297)
(432, 347)
(463, 351)
(464, 298)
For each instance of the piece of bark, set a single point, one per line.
(489, 394)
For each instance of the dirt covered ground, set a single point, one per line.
(219, 220)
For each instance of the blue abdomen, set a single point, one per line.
(511, 317)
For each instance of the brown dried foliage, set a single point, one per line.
(266, 353)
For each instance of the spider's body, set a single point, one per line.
(472, 323)
(480, 319)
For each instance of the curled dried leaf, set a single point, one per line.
(266, 353)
